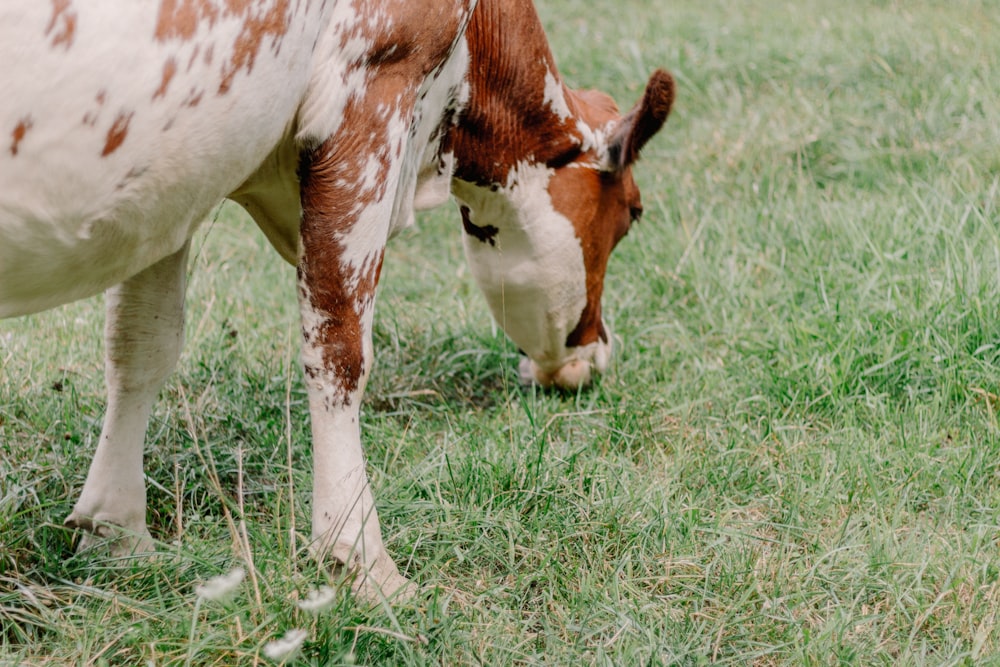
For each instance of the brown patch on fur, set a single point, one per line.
(179, 19)
(333, 197)
(332, 201)
(116, 133)
(169, 69)
(193, 98)
(507, 119)
(62, 23)
(336, 190)
(599, 205)
(18, 133)
(90, 118)
(486, 234)
(194, 57)
(256, 28)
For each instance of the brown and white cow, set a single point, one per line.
(328, 121)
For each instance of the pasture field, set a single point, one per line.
(794, 459)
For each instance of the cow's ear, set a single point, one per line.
(642, 122)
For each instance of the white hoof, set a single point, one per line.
(381, 582)
(117, 540)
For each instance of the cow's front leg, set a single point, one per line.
(344, 229)
(143, 331)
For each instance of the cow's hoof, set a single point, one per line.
(106, 536)
(381, 582)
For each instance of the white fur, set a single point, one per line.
(534, 278)
(424, 184)
(74, 222)
(554, 96)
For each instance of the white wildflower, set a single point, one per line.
(285, 648)
(222, 587)
(318, 600)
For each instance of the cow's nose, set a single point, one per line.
(571, 376)
(574, 374)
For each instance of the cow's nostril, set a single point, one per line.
(527, 372)
(573, 375)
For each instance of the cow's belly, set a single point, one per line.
(45, 263)
(118, 135)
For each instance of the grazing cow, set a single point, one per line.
(328, 121)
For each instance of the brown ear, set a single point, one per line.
(642, 122)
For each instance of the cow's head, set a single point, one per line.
(540, 232)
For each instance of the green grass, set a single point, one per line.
(794, 460)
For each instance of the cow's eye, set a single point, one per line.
(563, 158)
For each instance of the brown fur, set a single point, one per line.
(18, 133)
(63, 18)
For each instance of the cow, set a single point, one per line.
(330, 122)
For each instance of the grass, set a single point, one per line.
(795, 459)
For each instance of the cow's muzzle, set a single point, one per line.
(576, 372)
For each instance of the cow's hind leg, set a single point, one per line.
(143, 331)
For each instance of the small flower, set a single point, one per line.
(222, 587)
(285, 648)
(318, 600)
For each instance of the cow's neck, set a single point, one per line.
(517, 114)
(515, 128)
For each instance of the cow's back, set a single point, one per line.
(122, 124)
